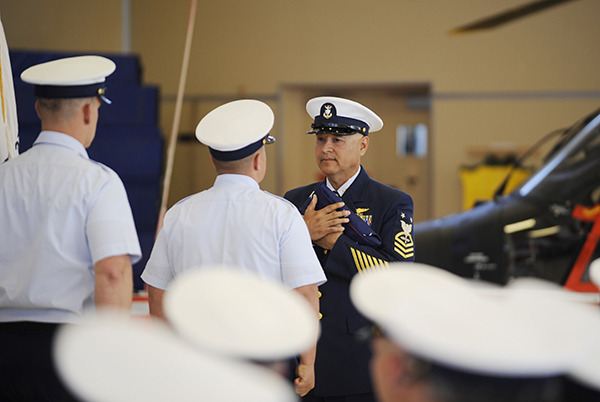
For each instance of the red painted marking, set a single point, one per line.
(575, 280)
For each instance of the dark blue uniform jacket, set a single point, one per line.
(342, 361)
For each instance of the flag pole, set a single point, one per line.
(177, 117)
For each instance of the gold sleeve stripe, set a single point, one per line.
(362, 256)
(359, 269)
(403, 247)
(403, 254)
(364, 261)
(372, 263)
(361, 261)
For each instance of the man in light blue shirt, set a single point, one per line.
(236, 223)
(68, 238)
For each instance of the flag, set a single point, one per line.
(9, 126)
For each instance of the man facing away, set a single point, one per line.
(68, 238)
(342, 129)
(234, 222)
(442, 338)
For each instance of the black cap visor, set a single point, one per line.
(338, 125)
(228, 156)
(72, 91)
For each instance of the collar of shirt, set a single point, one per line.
(62, 140)
(241, 180)
(344, 186)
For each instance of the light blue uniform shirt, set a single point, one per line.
(235, 223)
(60, 213)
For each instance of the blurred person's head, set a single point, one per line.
(228, 311)
(114, 358)
(400, 376)
(441, 339)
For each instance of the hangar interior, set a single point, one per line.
(450, 101)
(506, 86)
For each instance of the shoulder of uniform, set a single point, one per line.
(280, 200)
(102, 172)
(183, 201)
(389, 192)
(174, 213)
(102, 167)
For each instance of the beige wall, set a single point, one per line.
(242, 48)
(70, 25)
(256, 45)
(253, 47)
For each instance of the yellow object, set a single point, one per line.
(364, 261)
(479, 183)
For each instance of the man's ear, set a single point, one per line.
(364, 145)
(398, 372)
(87, 112)
(256, 161)
(394, 365)
(36, 105)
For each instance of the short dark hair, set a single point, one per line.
(60, 105)
(233, 166)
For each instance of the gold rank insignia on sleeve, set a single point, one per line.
(403, 241)
(365, 262)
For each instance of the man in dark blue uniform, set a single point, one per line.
(385, 215)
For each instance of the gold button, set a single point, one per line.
(320, 316)
(319, 294)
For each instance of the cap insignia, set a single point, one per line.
(328, 111)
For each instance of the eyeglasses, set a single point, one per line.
(368, 333)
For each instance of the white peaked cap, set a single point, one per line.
(232, 312)
(70, 71)
(586, 370)
(386, 285)
(345, 108)
(445, 319)
(550, 290)
(236, 125)
(111, 358)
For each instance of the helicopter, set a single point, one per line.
(548, 227)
